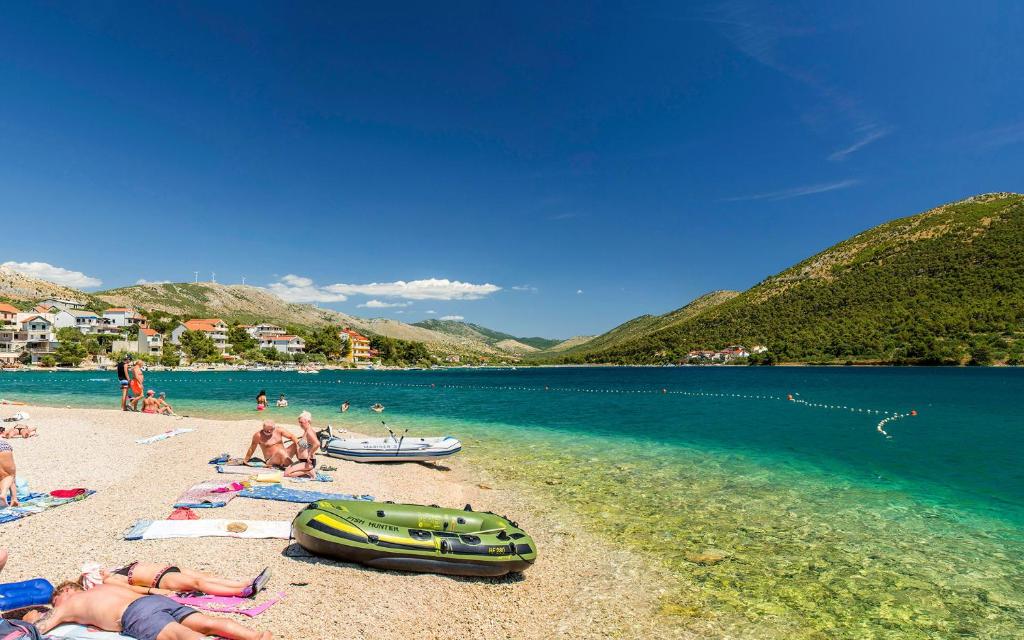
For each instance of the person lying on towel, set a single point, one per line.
(270, 439)
(115, 608)
(151, 577)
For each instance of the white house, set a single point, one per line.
(150, 341)
(124, 316)
(283, 343)
(36, 334)
(264, 329)
(84, 321)
(63, 303)
(215, 328)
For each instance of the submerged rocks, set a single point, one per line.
(707, 557)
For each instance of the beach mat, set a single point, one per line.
(287, 494)
(240, 469)
(228, 604)
(163, 436)
(37, 503)
(78, 632)
(203, 495)
(163, 529)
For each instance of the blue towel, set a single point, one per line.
(278, 492)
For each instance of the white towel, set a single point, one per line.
(160, 529)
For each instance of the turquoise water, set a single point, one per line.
(825, 527)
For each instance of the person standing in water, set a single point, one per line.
(261, 400)
(344, 406)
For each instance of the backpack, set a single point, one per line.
(18, 630)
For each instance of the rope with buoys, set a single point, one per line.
(890, 416)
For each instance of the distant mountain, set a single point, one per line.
(946, 285)
(235, 303)
(503, 341)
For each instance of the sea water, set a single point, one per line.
(779, 508)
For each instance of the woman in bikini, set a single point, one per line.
(17, 431)
(261, 400)
(305, 450)
(152, 578)
(8, 492)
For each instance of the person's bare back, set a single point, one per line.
(100, 607)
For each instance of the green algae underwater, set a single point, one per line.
(775, 518)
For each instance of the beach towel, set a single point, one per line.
(37, 503)
(226, 458)
(228, 604)
(183, 513)
(206, 495)
(320, 477)
(163, 436)
(286, 494)
(238, 469)
(163, 529)
(78, 632)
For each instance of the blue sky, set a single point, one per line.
(545, 169)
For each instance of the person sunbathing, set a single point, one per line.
(151, 577)
(150, 617)
(3, 558)
(8, 491)
(305, 450)
(17, 431)
(270, 439)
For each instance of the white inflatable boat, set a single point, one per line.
(390, 449)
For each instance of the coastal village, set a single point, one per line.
(32, 337)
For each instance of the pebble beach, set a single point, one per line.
(580, 586)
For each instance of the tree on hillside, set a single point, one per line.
(324, 340)
(70, 353)
(69, 334)
(197, 345)
(240, 340)
(170, 356)
(133, 331)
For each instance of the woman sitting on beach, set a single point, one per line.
(17, 431)
(150, 577)
(305, 450)
(8, 492)
(151, 404)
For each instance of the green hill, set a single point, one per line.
(944, 286)
(483, 334)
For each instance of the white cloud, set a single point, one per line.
(870, 133)
(295, 288)
(579, 291)
(525, 287)
(452, 318)
(144, 281)
(797, 192)
(377, 304)
(431, 312)
(292, 288)
(51, 273)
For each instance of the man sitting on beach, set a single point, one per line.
(270, 439)
(114, 608)
(164, 407)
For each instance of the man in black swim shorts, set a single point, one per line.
(115, 608)
(122, 376)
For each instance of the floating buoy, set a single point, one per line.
(913, 412)
(789, 396)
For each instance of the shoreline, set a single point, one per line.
(580, 586)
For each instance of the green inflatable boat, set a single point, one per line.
(410, 537)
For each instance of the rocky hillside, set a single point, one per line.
(503, 341)
(18, 288)
(943, 286)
